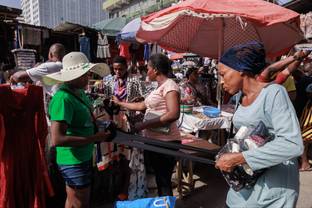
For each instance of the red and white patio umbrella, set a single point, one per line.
(209, 27)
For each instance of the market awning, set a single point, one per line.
(111, 26)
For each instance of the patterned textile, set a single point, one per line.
(306, 122)
(248, 57)
(135, 88)
(200, 91)
(306, 24)
(120, 89)
(24, 58)
(188, 92)
(138, 186)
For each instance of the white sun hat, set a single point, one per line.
(75, 64)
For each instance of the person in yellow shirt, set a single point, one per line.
(290, 86)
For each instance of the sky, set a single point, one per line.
(11, 3)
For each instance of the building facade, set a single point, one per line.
(134, 8)
(50, 13)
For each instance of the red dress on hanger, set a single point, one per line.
(24, 180)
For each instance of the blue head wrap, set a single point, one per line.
(248, 57)
(309, 88)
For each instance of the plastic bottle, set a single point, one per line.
(239, 137)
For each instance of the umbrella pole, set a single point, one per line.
(220, 50)
(221, 140)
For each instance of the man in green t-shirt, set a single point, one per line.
(72, 129)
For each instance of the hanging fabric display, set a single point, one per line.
(124, 50)
(24, 179)
(147, 51)
(24, 58)
(31, 36)
(84, 42)
(103, 47)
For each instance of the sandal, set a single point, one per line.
(305, 169)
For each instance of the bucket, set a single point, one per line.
(211, 111)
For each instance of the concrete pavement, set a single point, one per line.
(211, 189)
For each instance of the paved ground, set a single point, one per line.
(305, 196)
(211, 189)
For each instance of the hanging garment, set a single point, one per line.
(124, 50)
(24, 180)
(147, 51)
(24, 58)
(156, 49)
(17, 40)
(31, 36)
(45, 34)
(85, 46)
(103, 47)
(306, 24)
(138, 184)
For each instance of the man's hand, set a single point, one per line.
(301, 55)
(102, 136)
(20, 76)
(115, 100)
(12, 80)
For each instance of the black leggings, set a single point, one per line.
(163, 166)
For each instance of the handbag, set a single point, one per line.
(162, 129)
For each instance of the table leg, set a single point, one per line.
(179, 178)
(190, 176)
(221, 139)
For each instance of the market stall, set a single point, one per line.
(199, 121)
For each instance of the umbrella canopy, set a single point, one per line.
(129, 31)
(209, 27)
(111, 26)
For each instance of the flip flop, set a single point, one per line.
(304, 170)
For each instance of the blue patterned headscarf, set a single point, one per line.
(248, 57)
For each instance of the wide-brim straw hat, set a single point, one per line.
(75, 64)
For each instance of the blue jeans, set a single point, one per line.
(77, 176)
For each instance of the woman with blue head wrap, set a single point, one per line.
(278, 186)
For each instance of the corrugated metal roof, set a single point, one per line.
(69, 27)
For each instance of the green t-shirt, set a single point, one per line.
(66, 107)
